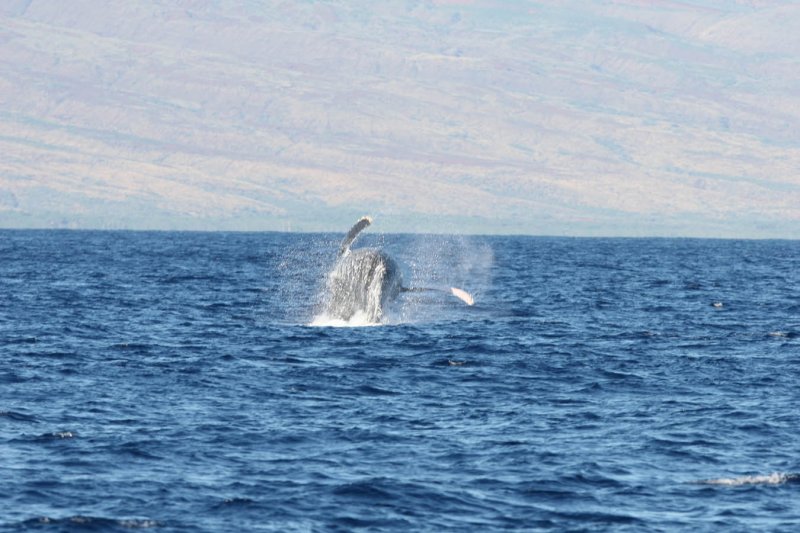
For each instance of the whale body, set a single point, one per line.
(364, 281)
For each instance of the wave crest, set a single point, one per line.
(776, 478)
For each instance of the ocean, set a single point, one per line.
(181, 381)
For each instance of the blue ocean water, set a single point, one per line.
(172, 381)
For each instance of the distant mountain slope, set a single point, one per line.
(480, 116)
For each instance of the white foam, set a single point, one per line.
(776, 478)
(358, 320)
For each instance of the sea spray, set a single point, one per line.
(430, 265)
(442, 262)
(302, 266)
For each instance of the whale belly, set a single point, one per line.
(363, 281)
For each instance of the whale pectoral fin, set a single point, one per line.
(462, 295)
(362, 223)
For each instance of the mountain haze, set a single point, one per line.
(480, 116)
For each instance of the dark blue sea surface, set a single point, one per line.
(172, 381)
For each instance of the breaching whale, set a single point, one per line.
(365, 280)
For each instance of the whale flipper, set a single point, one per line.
(461, 294)
(362, 223)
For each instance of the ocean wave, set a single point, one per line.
(776, 478)
(57, 435)
(90, 523)
(783, 334)
(16, 416)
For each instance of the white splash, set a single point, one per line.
(358, 320)
(457, 265)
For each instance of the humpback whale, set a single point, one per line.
(366, 280)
